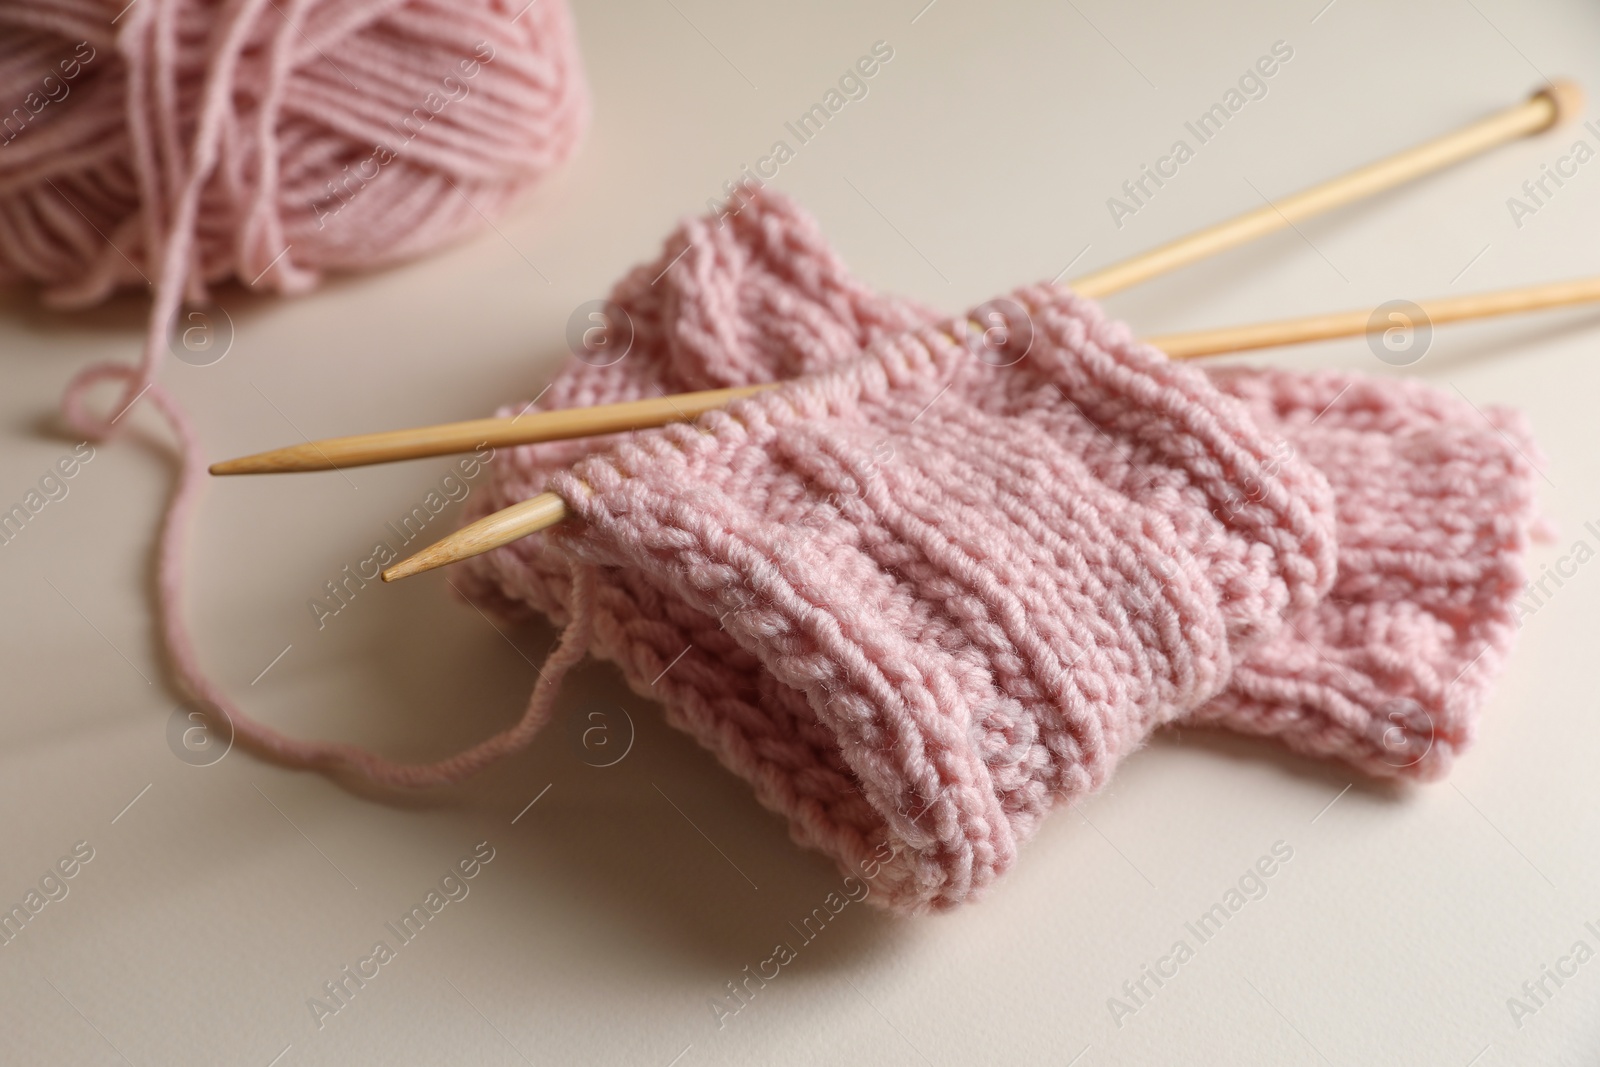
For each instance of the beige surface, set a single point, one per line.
(608, 921)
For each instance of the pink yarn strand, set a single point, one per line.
(196, 684)
(190, 147)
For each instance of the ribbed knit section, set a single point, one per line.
(925, 599)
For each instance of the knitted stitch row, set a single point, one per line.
(918, 599)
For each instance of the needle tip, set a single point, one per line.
(409, 566)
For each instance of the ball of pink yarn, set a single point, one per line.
(178, 143)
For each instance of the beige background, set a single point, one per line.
(608, 922)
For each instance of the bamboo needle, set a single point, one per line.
(361, 449)
(548, 509)
(1198, 343)
(1555, 103)
(1545, 108)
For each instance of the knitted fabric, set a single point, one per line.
(1435, 506)
(916, 599)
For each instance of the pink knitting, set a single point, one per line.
(1435, 502)
(919, 600)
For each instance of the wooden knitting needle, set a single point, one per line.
(1197, 343)
(1555, 103)
(448, 438)
(1558, 101)
(548, 509)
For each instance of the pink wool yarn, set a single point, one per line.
(178, 143)
(917, 600)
